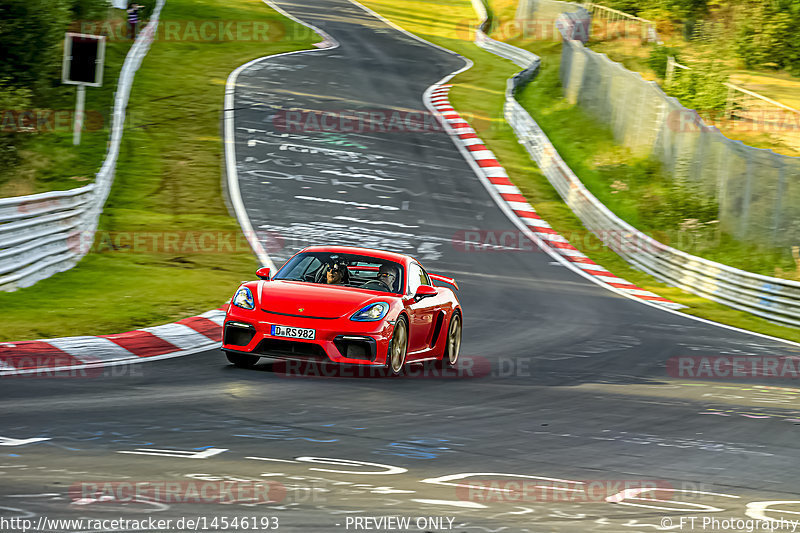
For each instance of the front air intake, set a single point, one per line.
(238, 334)
(291, 349)
(356, 347)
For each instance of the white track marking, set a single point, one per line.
(209, 345)
(389, 469)
(374, 222)
(345, 202)
(347, 174)
(7, 441)
(230, 138)
(178, 454)
(178, 335)
(507, 189)
(217, 316)
(91, 349)
(493, 172)
(452, 503)
(270, 459)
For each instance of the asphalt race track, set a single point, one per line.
(563, 383)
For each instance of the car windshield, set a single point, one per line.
(348, 270)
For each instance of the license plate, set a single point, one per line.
(294, 333)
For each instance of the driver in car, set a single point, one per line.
(337, 274)
(387, 274)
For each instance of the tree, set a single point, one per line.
(32, 33)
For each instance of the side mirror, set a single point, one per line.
(263, 273)
(425, 291)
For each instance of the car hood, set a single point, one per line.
(315, 300)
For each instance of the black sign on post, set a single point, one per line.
(83, 59)
(82, 66)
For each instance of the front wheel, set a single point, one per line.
(398, 347)
(453, 348)
(243, 360)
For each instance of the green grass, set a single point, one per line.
(631, 53)
(168, 180)
(479, 92)
(779, 86)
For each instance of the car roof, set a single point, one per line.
(377, 254)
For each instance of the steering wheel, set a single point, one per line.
(320, 276)
(376, 285)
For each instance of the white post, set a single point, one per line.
(729, 103)
(78, 124)
(670, 71)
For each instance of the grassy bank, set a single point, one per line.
(479, 92)
(168, 183)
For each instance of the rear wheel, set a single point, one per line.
(398, 347)
(453, 346)
(243, 360)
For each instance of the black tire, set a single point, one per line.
(243, 360)
(398, 348)
(452, 347)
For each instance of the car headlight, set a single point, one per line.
(371, 313)
(244, 299)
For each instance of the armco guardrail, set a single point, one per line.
(775, 299)
(43, 234)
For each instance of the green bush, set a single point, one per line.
(628, 6)
(678, 8)
(702, 87)
(88, 9)
(762, 34)
(767, 36)
(31, 32)
(657, 60)
(11, 98)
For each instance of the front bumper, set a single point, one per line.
(337, 340)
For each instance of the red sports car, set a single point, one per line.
(345, 305)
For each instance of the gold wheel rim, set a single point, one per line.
(454, 340)
(398, 349)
